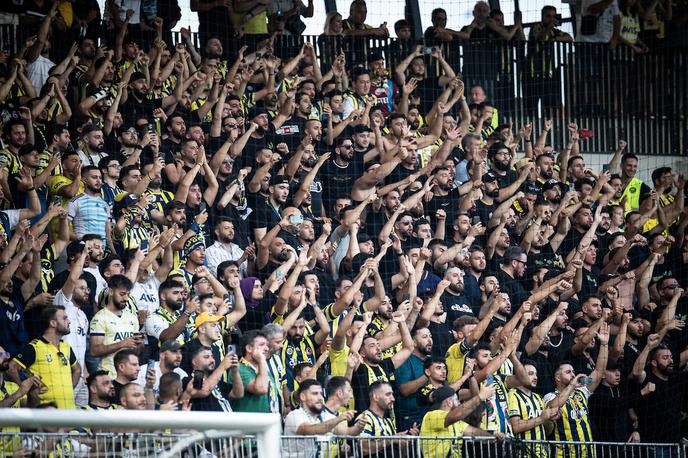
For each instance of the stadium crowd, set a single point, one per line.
(364, 250)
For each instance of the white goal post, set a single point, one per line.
(265, 427)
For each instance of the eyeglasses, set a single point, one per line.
(522, 262)
(117, 166)
(347, 146)
(674, 286)
(63, 358)
(231, 125)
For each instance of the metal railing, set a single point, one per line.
(614, 93)
(455, 447)
(215, 444)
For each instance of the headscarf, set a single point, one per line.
(246, 285)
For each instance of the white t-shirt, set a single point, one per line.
(37, 71)
(305, 448)
(145, 294)
(605, 22)
(78, 327)
(141, 380)
(101, 283)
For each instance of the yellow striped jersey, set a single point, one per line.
(496, 415)
(378, 426)
(527, 406)
(574, 424)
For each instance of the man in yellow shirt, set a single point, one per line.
(444, 420)
(51, 359)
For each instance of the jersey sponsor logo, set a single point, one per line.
(123, 335)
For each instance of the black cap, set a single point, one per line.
(374, 56)
(256, 110)
(137, 76)
(27, 149)
(550, 184)
(278, 179)
(170, 345)
(440, 395)
(361, 128)
(489, 177)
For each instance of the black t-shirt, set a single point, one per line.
(364, 376)
(514, 288)
(264, 215)
(216, 401)
(590, 283)
(570, 242)
(609, 414)
(446, 203)
(339, 180)
(484, 211)
(455, 306)
(442, 337)
(659, 412)
(291, 132)
(132, 109)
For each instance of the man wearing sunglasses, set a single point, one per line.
(50, 358)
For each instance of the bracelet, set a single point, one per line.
(32, 188)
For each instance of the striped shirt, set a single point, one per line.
(88, 215)
(574, 424)
(527, 406)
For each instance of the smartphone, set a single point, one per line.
(203, 206)
(586, 381)
(586, 133)
(231, 348)
(296, 219)
(198, 377)
(428, 50)
(475, 220)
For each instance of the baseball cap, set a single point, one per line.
(206, 317)
(550, 184)
(256, 111)
(440, 395)
(489, 177)
(170, 345)
(137, 76)
(278, 179)
(27, 149)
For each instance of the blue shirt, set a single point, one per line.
(407, 406)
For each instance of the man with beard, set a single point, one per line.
(591, 271)
(294, 127)
(544, 166)
(208, 329)
(552, 191)
(379, 422)
(411, 377)
(513, 267)
(275, 335)
(473, 279)
(308, 420)
(175, 129)
(270, 213)
(499, 157)
(214, 394)
(115, 326)
(661, 396)
(93, 145)
(454, 301)
(170, 362)
(88, 213)
(138, 102)
(375, 369)
(101, 392)
(169, 322)
(529, 418)
(309, 185)
(51, 359)
(224, 250)
(14, 133)
(74, 297)
(301, 346)
(582, 221)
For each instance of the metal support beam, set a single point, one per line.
(494, 4)
(413, 16)
(330, 5)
